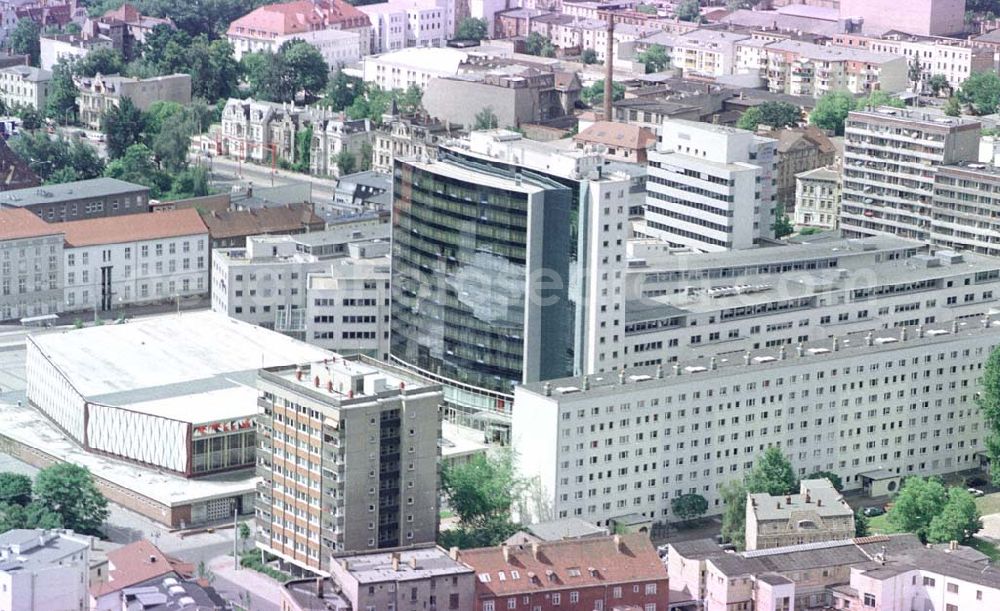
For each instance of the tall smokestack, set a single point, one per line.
(608, 68)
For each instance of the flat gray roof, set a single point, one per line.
(565, 528)
(36, 549)
(81, 189)
(429, 561)
(194, 367)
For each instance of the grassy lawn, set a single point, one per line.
(879, 525)
(989, 504)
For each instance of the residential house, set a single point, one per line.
(265, 28)
(232, 227)
(25, 86)
(622, 141)
(799, 149)
(818, 513)
(817, 198)
(44, 569)
(98, 94)
(31, 265)
(131, 565)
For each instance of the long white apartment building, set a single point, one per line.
(410, 23)
(681, 306)
(897, 402)
(711, 188)
(964, 208)
(890, 159)
(329, 288)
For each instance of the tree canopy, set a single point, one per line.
(472, 28)
(774, 114)
(69, 491)
(61, 103)
(99, 61)
(214, 72)
(689, 506)
(296, 67)
(15, 488)
(655, 58)
(588, 56)
(958, 520)
(26, 39)
(981, 91)
(594, 94)
(481, 493)
(772, 473)
(123, 126)
(486, 119)
(206, 17)
(734, 513)
(934, 513)
(688, 10)
(988, 401)
(57, 160)
(831, 111)
(537, 44)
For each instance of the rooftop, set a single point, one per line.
(18, 223)
(565, 528)
(254, 221)
(614, 134)
(760, 361)
(577, 563)
(29, 73)
(137, 562)
(443, 60)
(826, 174)
(37, 549)
(832, 53)
(816, 497)
(81, 189)
(412, 563)
(194, 367)
(915, 116)
(133, 227)
(172, 594)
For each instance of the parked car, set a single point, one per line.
(976, 492)
(871, 512)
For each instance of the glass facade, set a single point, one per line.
(480, 269)
(230, 451)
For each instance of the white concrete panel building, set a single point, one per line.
(710, 188)
(43, 569)
(899, 400)
(405, 67)
(338, 47)
(25, 86)
(410, 23)
(174, 392)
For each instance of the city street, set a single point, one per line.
(224, 173)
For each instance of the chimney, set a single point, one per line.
(609, 60)
(413, 562)
(453, 553)
(152, 559)
(319, 587)
(547, 389)
(506, 552)
(617, 539)
(868, 339)
(621, 376)
(394, 556)
(953, 545)
(329, 386)
(534, 550)
(819, 502)
(836, 344)
(659, 371)
(778, 504)
(316, 381)
(902, 334)
(788, 500)
(298, 373)
(808, 497)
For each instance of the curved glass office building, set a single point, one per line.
(479, 298)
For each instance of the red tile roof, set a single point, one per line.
(138, 562)
(255, 221)
(133, 227)
(276, 20)
(16, 223)
(619, 135)
(577, 563)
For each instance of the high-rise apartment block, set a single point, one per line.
(348, 456)
(890, 158)
(964, 211)
(711, 188)
(899, 402)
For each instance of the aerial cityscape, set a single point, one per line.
(484, 305)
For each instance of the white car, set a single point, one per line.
(976, 492)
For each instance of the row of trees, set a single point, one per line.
(62, 496)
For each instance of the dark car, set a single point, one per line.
(873, 511)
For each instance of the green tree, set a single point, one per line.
(862, 527)
(918, 501)
(123, 126)
(190, 182)
(782, 224)
(988, 401)
(137, 166)
(342, 90)
(734, 513)
(838, 483)
(537, 44)
(879, 98)
(57, 160)
(953, 108)
(481, 493)
(594, 94)
(365, 156)
(938, 83)
(486, 119)
(982, 92)
(15, 488)
(958, 520)
(26, 39)
(346, 162)
(655, 58)
(61, 102)
(305, 64)
(411, 99)
(244, 533)
(689, 506)
(171, 144)
(774, 114)
(303, 149)
(773, 474)
(99, 61)
(472, 28)
(68, 490)
(588, 56)
(831, 111)
(688, 10)
(30, 118)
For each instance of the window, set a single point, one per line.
(869, 600)
(574, 597)
(453, 601)
(488, 605)
(617, 592)
(950, 607)
(929, 582)
(650, 589)
(556, 599)
(953, 588)
(512, 603)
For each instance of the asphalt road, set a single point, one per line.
(229, 171)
